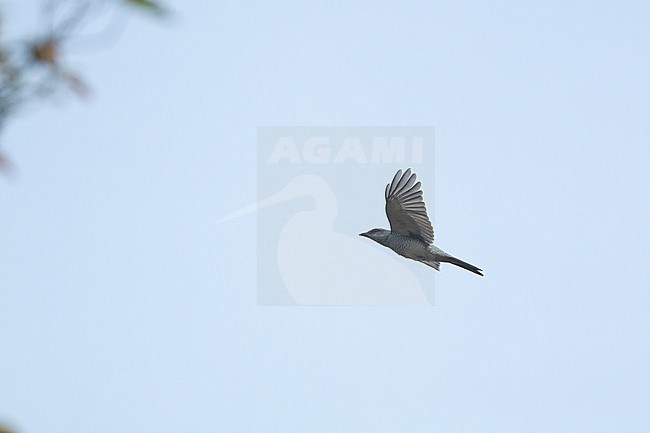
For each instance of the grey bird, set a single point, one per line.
(411, 233)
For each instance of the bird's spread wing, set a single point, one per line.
(405, 208)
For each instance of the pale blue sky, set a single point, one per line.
(126, 307)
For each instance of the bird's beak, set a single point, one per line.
(365, 235)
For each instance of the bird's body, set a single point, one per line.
(411, 233)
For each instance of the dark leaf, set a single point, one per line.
(150, 6)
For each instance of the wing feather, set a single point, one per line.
(405, 208)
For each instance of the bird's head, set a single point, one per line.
(377, 235)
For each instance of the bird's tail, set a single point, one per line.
(462, 264)
(435, 265)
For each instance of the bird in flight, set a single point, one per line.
(411, 233)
